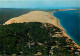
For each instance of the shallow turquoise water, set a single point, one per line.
(70, 21)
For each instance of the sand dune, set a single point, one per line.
(34, 16)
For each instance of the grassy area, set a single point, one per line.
(33, 39)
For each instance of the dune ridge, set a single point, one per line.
(34, 16)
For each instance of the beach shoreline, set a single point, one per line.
(64, 32)
(66, 9)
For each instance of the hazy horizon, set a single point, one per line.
(40, 4)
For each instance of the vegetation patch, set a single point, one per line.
(34, 38)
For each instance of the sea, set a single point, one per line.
(70, 21)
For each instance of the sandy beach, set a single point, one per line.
(39, 16)
(65, 34)
(63, 30)
(66, 9)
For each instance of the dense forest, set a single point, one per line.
(6, 14)
(34, 39)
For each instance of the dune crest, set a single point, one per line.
(34, 16)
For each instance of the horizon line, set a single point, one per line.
(41, 8)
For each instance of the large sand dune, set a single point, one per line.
(34, 16)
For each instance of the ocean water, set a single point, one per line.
(70, 21)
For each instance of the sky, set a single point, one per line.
(40, 4)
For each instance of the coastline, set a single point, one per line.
(40, 16)
(64, 32)
(66, 9)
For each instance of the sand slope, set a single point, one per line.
(34, 16)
